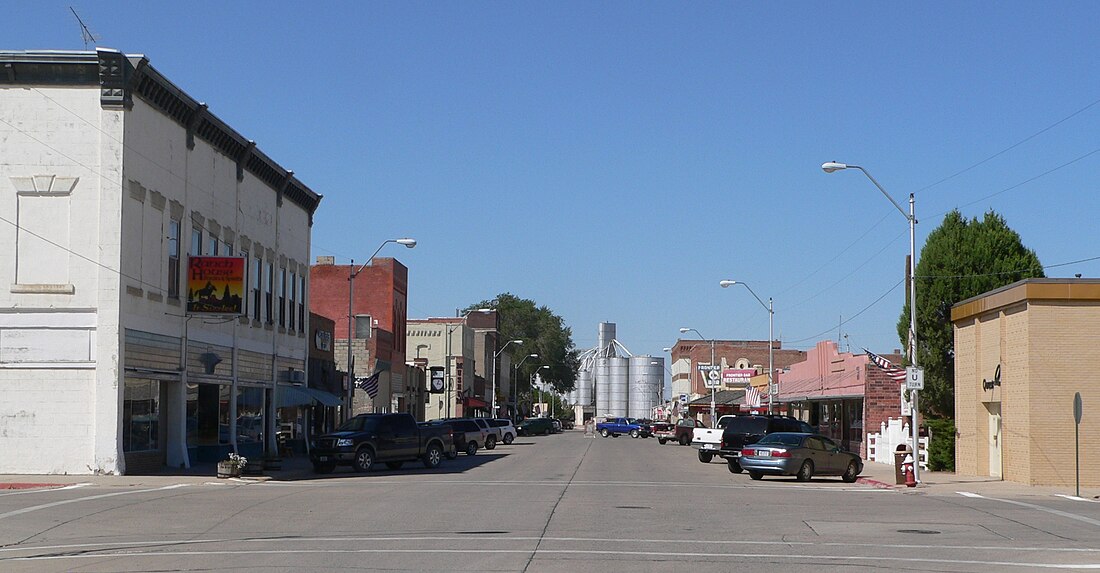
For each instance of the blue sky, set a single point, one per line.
(615, 160)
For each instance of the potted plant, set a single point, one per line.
(232, 467)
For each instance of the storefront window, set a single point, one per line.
(140, 415)
(207, 414)
(250, 415)
(855, 420)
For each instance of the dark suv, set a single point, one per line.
(746, 430)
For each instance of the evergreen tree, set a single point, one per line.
(961, 259)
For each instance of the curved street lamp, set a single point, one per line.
(771, 336)
(515, 382)
(494, 376)
(685, 330)
(352, 273)
(833, 166)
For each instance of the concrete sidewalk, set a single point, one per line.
(291, 469)
(948, 483)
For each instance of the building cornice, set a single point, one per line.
(121, 76)
(1066, 290)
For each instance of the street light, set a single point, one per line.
(352, 273)
(515, 383)
(832, 166)
(450, 328)
(495, 355)
(685, 331)
(771, 336)
(531, 384)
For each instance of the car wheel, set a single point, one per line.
(433, 457)
(757, 476)
(851, 473)
(508, 439)
(394, 465)
(452, 455)
(364, 459)
(471, 448)
(806, 472)
(634, 434)
(661, 441)
(605, 433)
(705, 457)
(683, 440)
(734, 466)
(325, 468)
(491, 443)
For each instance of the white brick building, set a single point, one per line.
(110, 176)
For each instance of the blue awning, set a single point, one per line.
(290, 396)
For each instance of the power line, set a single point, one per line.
(853, 317)
(1010, 147)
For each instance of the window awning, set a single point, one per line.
(290, 396)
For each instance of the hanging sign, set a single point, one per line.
(215, 285)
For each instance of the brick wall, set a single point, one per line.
(881, 401)
(728, 353)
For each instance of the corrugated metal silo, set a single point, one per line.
(584, 388)
(642, 396)
(619, 385)
(603, 387)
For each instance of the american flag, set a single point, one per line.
(752, 396)
(370, 384)
(894, 372)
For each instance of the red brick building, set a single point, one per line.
(380, 314)
(740, 354)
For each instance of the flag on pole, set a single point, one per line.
(370, 384)
(894, 372)
(752, 396)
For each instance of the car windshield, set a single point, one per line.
(780, 440)
(358, 424)
(747, 425)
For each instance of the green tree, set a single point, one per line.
(543, 333)
(961, 259)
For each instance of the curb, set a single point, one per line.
(24, 485)
(875, 483)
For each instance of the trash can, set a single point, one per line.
(899, 459)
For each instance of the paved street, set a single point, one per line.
(555, 503)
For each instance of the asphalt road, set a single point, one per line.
(555, 503)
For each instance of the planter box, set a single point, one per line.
(228, 470)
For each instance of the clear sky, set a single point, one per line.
(615, 160)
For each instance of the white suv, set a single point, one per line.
(504, 427)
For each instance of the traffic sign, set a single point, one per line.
(914, 378)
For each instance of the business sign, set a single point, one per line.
(737, 376)
(712, 375)
(215, 285)
(435, 381)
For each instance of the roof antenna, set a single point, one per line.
(85, 33)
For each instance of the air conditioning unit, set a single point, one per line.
(296, 377)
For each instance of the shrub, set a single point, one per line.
(941, 448)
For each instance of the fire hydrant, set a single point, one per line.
(907, 468)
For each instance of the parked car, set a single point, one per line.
(473, 434)
(567, 424)
(492, 435)
(645, 427)
(506, 429)
(391, 438)
(555, 426)
(679, 432)
(618, 426)
(799, 454)
(534, 426)
(746, 430)
(458, 439)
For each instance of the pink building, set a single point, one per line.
(840, 394)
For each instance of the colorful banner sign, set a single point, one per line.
(215, 285)
(712, 375)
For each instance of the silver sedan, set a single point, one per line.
(800, 455)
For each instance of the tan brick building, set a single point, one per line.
(1021, 352)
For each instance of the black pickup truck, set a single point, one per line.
(390, 438)
(741, 431)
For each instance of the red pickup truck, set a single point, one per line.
(680, 433)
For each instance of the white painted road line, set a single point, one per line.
(1057, 512)
(1075, 498)
(80, 499)
(131, 554)
(41, 490)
